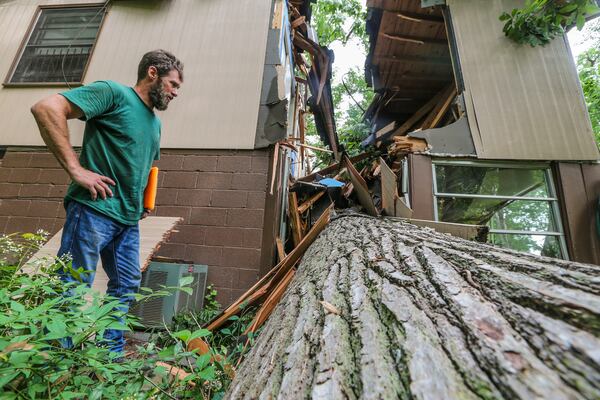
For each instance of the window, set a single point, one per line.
(517, 201)
(59, 45)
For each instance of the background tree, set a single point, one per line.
(341, 21)
(588, 66)
(540, 21)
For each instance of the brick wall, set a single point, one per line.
(220, 195)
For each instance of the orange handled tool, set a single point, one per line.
(150, 192)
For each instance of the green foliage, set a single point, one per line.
(339, 20)
(37, 316)
(588, 66)
(540, 21)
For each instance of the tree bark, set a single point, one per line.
(381, 309)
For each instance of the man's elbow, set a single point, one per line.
(38, 108)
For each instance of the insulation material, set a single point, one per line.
(522, 102)
(153, 231)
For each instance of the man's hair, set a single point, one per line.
(162, 60)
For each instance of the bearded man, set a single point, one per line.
(105, 199)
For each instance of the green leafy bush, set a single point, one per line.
(37, 317)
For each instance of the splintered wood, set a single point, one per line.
(265, 286)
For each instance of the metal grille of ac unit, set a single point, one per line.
(160, 311)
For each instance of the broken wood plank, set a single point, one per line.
(386, 129)
(295, 220)
(419, 18)
(274, 166)
(315, 148)
(332, 168)
(417, 116)
(415, 39)
(280, 249)
(441, 108)
(259, 289)
(391, 201)
(153, 232)
(362, 191)
(308, 203)
(271, 302)
(409, 145)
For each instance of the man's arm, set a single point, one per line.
(51, 115)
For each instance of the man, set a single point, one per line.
(105, 199)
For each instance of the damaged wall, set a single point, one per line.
(523, 103)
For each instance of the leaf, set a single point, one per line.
(7, 378)
(203, 360)
(200, 333)
(580, 21)
(208, 374)
(18, 307)
(186, 280)
(183, 335)
(187, 290)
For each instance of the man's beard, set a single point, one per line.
(158, 96)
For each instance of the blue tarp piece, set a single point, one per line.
(330, 182)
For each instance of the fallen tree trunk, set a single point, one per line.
(384, 309)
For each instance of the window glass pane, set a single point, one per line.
(492, 181)
(548, 246)
(519, 215)
(59, 46)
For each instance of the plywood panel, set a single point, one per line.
(527, 102)
(221, 42)
(153, 230)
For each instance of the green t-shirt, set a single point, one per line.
(121, 139)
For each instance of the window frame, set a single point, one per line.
(552, 199)
(27, 37)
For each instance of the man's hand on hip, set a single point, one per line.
(96, 184)
(146, 213)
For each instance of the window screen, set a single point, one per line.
(59, 46)
(517, 202)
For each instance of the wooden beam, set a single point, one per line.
(440, 109)
(260, 288)
(308, 203)
(280, 249)
(268, 306)
(420, 40)
(362, 191)
(295, 220)
(416, 117)
(418, 18)
(332, 168)
(413, 60)
(392, 203)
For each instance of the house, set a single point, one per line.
(486, 131)
(239, 98)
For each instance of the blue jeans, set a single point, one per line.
(89, 235)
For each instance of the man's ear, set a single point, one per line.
(152, 73)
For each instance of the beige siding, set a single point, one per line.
(522, 102)
(221, 42)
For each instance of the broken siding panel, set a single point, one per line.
(222, 44)
(527, 102)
